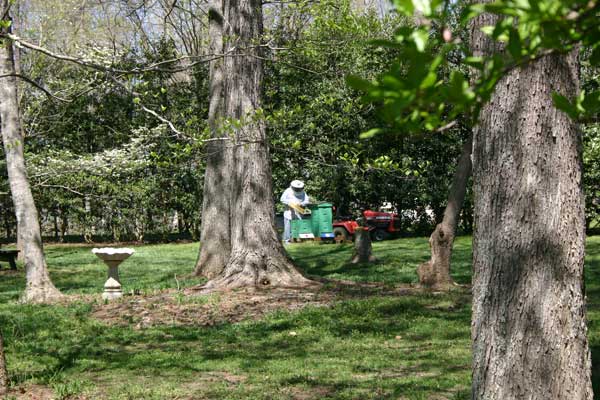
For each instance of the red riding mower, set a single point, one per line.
(382, 225)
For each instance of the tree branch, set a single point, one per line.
(449, 125)
(103, 68)
(161, 119)
(61, 187)
(37, 85)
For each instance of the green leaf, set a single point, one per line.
(488, 30)
(371, 133)
(470, 12)
(405, 6)
(458, 86)
(423, 6)
(595, 56)
(514, 44)
(429, 81)
(563, 104)
(475, 62)
(420, 38)
(591, 103)
(358, 83)
(391, 81)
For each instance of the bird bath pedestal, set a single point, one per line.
(113, 257)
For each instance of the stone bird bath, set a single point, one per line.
(113, 257)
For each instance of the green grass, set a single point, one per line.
(376, 347)
(75, 270)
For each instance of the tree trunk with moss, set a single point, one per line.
(39, 288)
(435, 273)
(257, 256)
(529, 334)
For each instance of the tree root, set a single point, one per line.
(41, 294)
(251, 270)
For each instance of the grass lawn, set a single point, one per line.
(374, 346)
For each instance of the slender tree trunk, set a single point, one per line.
(55, 223)
(529, 327)
(39, 287)
(4, 382)
(7, 226)
(64, 224)
(15, 27)
(16, 55)
(215, 229)
(257, 255)
(435, 273)
(89, 228)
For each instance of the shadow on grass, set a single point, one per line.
(61, 341)
(410, 346)
(398, 260)
(370, 346)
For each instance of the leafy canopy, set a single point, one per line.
(417, 96)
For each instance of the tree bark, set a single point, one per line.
(257, 256)
(529, 334)
(16, 54)
(435, 273)
(215, 236)
(39, 287)
(3, 370)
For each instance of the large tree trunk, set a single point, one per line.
(435, 273)
(257, 256)
(529, 326)
(38, 288)
(215, 229)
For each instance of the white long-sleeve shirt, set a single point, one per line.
(289, 196)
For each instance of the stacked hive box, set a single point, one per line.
(315, 225)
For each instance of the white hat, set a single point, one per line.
(297, 184)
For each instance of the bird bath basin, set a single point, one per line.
(113, 257)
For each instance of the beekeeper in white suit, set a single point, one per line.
(294, 195)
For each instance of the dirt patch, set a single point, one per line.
(310, 393)
(172, 307)
(187, 308)
(36, 392)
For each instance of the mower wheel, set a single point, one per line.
(379, 234)
(340, 234)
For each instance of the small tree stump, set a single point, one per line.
(363, 250)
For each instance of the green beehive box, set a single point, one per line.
(322, 220)
(301, 226)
